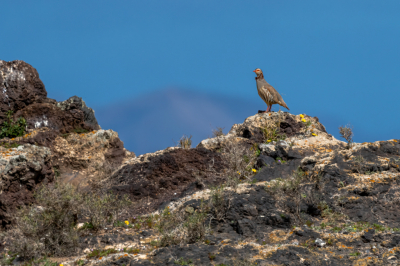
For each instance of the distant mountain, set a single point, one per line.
(159, 119)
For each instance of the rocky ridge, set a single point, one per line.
(311, 201)
(276, 190)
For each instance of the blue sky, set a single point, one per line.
(338, 60)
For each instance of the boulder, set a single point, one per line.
(22, 169)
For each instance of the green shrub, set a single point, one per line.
(11, 129)
(217, 202)
(180, 227)
(240, 161)
(103, 208)
(49, 227)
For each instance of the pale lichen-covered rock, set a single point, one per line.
(21, 170)
(289, 127)
(87, 156)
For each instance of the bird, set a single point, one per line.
(268, 93)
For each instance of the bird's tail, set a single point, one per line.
(285, 105)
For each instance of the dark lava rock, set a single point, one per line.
(167, 176)
(23, 92)
(368, 236)
(20, 86)
(264, 160)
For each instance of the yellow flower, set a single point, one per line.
(269, 140)
(303, 120)
(61, 265)
(314, 134)
(254, 170)
(238, 172)
(127, 222)
(302, 116)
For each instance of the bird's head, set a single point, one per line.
(258, 71)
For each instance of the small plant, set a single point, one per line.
(240, 161)
(97, 253)
(8, 258)
(355, 254)
(185, 142)
(81, 130)
(180, 227)
(8, 145)
(379, 227)
(119, 224)
(154, 243)
(290, 184)
(309, 223)
(87, 226)
(336, 229)
(11, 129)
(218, 132)
(182, 261)
(65, 135)
(56, 172)
(256, 150)
(346, 132)
(323, 225)
(41, 261)
(217, 202)
(80, 262)
(138, 226)
(280, 160)
(211, 256)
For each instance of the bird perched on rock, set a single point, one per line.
(269, 95)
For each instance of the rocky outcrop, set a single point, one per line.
(22, 169)
(93, 156)
(24, 93)
(264, 127)
(76, 102)
(62, 139)
(155, 178)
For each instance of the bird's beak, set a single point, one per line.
(254, 71)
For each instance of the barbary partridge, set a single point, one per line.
(269, 95)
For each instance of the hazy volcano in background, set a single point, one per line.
(158, 120)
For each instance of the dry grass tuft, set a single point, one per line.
(185, 142)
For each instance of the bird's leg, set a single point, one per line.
(268, 109)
